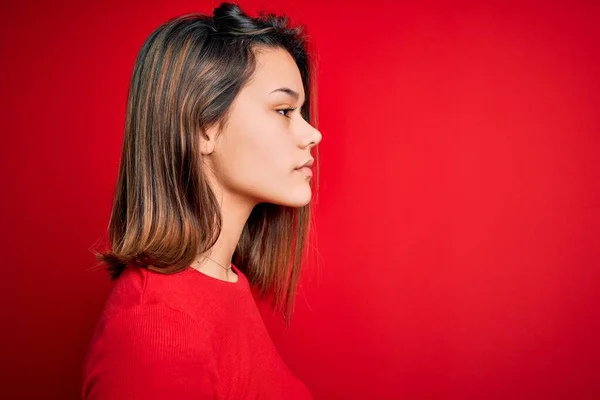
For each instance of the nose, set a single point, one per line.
(310, 136)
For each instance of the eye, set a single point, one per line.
(286, 110)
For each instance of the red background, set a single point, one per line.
(459, 208)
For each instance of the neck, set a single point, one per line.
(235, 211)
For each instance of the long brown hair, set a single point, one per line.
(187, 74)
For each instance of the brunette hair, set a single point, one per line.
(187, 74)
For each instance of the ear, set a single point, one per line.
(208, 139)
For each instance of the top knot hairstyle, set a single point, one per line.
(186, 76)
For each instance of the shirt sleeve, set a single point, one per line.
(149, 352)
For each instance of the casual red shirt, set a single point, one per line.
(184, 336)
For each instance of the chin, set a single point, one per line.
(300, 203)
(296, 199)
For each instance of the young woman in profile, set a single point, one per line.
(212, 199)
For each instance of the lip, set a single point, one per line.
(308, 164)
(305, 170)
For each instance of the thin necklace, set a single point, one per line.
(225, 268)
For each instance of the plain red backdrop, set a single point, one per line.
(458, 218)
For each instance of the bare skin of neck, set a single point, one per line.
(235, 211)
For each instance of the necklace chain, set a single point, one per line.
(225, 268)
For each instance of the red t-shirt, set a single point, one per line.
(184, 336)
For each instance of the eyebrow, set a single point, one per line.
(295, 95)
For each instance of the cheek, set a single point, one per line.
(268, 154)
(265, 142)
(259, 158)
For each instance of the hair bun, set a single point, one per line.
(229, 18)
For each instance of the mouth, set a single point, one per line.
(305, 170)
(308, 163)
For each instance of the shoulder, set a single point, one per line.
(149, 346)
(158, 327)
(149, 306)
(141, 291)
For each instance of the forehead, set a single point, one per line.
(275, 68)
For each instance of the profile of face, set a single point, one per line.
(256, 157)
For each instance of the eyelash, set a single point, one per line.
(286, 109)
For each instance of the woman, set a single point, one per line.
(212, 199)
